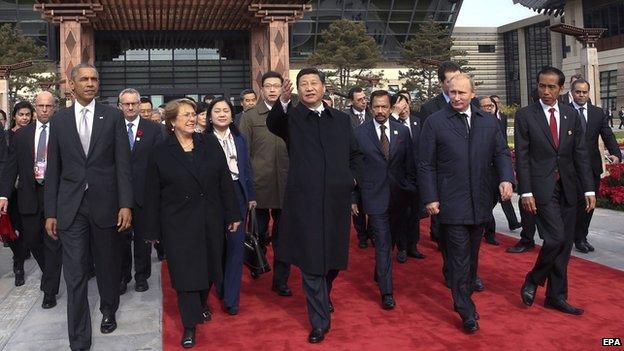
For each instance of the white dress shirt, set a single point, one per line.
(546, 110)
(135, 127)
(577, 106)
(361, 114)
(229, 149)
(90, 113)
(468, 113)
(446, 97)
(38, 133)
(378, 129)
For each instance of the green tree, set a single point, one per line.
(346, 52)
(16, 48)
(419, 54)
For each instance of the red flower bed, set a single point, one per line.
(612, 186)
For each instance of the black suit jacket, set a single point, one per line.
(20, 162)
(386, 181)
(598, 125)
(432, 106)
(537, 159)
(106, 169)
(455, 167)
(355, 120)
(147, 137)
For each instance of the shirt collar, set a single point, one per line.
(357, 112)
(135, 123)
(39, 124)
(546, 107)
(446, 97)
(319, 109)
(90, 106)
(228, 133)
(468, 111)
(386, 123)
(269, 107)
(577, 106)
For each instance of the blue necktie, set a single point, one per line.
(130, 135)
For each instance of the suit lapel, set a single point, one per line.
(31, 141)
(394, 136)
(96, 129)
(178, 153)
(541, 119)
(372, 134)
(566, 124)
(73, 130)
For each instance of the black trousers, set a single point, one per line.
(317, 289)
(380, 224)
(510, 214)
(281, 270)
(46, 251)
(105, 250)
(191, 305)
(362, 228)
(527, 235)
(408, 234)
(463, 256)
(583, 218)
(142, 253)
(555, 222)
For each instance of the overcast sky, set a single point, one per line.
(491, 13)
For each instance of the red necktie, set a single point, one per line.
(553, 127)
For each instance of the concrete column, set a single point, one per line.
(620, 86)
(522, 64)
(591, 72)
(556, 45)
(4, 96)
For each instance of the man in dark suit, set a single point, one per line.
(567, 98)
(489, 105)
(143, 135)
(457, 148)
(325, 163)
(551, 158)
(621, 115)
(386, 186)
(248, 100)
(407, 235)
(88, 200)
(27, 158)
(594, 124)
(360, 114)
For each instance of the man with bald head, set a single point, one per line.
(27, 158)
(457, 147)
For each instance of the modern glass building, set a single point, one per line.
(169, 49)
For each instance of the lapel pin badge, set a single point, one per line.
(101, 117)
(415, 123)
(569, 132)
(565, 117)
(396, 132)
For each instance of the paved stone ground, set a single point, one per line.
(24, 326)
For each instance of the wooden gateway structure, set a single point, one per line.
(266, 23)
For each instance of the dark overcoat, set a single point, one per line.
(324, 163)
(455, 166)
(188, 205)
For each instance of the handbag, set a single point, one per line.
(7, 233)
(255, 254)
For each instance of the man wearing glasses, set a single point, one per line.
(269, 163)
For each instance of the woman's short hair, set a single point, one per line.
(172, 108)
(20, 105)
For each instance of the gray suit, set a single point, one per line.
(88, 217)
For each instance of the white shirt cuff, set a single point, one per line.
(527, 195)
(588, 193)
(3, 198)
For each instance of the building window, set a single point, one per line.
(609, 15)
(538, 52)
(512, 67)
(608, 89)
(487, 48)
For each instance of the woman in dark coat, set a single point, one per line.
(190, 201)
(235, 149)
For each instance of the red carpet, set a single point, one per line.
(423, 318)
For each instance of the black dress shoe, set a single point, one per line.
(18, 270)
(520, 247)
(387, 302)
(563, 306)
(414, 253)
(49, 301)
(470, 326)
(515, 226)
(401, 256)
(109, 324)
(207, 314)
(123, 287)
(232, 311)
(589, 246)
(362, 244)
(188, 338)
(490, 239)
(581, 247)
(527, 292)
(478, 285)
(282, 290)
(317, 335)
(141, 286)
